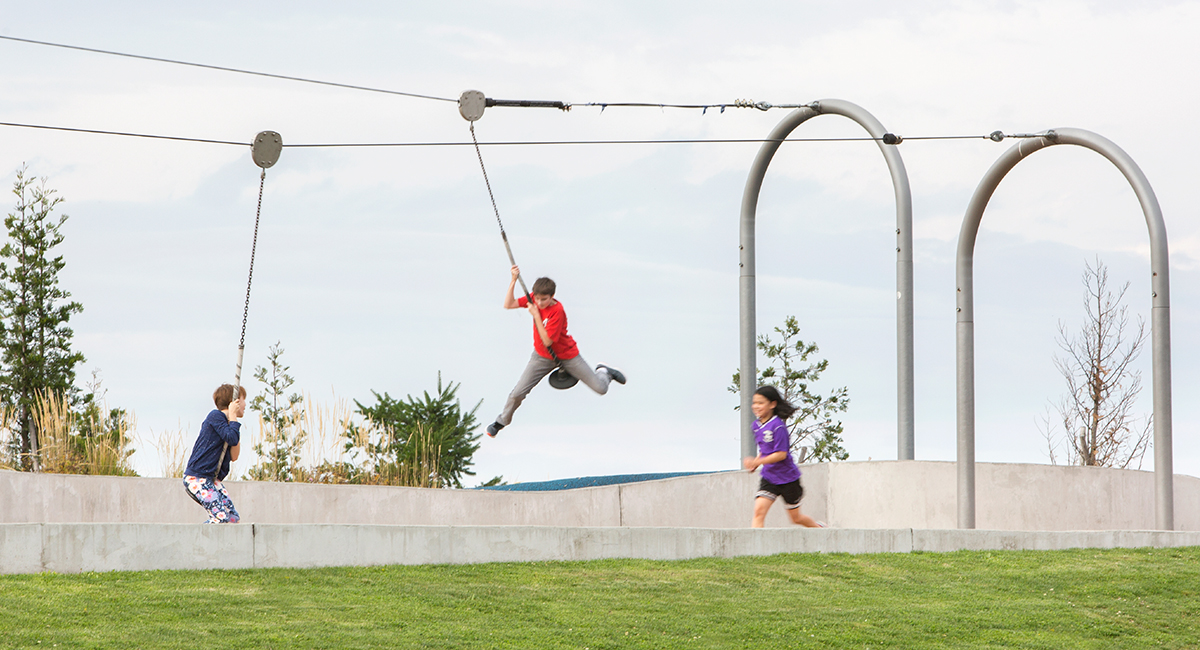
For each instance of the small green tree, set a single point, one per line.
(282, 422)
(34, 312)
(813, 422)
(439, 421)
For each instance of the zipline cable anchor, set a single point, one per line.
(528, 103)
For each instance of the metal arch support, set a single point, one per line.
(904, 267)
(1160, 316)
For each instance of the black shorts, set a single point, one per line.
(791, 492)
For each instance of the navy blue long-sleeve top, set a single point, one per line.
(215, 433)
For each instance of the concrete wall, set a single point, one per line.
(72, 548)
(862, 495)
(923, 494)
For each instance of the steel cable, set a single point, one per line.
(225, 69)
(519, 143)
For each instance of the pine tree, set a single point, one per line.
(35, 340)
(446, 431)
(282, 422)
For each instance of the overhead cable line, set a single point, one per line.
(225, 69)
(888, 138)
(566, 106)
(122, 133)
(517, 143)
(518, 103)
(740, 103)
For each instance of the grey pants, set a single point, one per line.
(538, 367)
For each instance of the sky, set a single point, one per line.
(377, 269)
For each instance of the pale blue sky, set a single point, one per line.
(378, 268)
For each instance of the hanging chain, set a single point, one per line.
(250, 278)
(488, 183)
(503, 235)
(262, 180)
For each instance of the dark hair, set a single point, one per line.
(783, 408)
(223, 395)
(544, 287)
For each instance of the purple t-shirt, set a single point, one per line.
(772, 437)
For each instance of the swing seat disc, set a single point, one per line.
(562, 380)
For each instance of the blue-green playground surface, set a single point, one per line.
(587, 481)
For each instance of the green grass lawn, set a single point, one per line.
(1028, 599)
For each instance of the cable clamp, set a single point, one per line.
(750, 103)
(1049, 135)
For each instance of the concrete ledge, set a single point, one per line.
(73, 548)
(1041, 540)
(291, 545)
(21, 548)
(881, 494)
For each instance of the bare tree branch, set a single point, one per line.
(1098, 424)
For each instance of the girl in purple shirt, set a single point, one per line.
(780, 476)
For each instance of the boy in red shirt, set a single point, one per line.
(549, 334)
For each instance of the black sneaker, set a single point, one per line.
(616, 375)
(493, 429)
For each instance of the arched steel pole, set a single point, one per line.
(904, 278)
(1160, 316)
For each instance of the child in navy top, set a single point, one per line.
(218, 443)
(780, 476)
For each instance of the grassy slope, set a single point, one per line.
(1060, 599)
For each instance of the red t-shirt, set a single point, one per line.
(555, 321)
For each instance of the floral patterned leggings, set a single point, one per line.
(211, 495)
